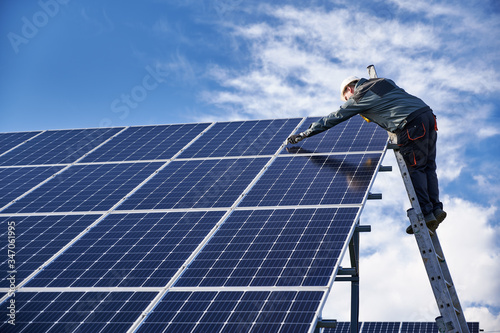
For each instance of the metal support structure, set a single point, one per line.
(452, 318)
(354, 254)
(351, 274)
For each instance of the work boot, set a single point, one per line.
(430, 221)
(439, 214)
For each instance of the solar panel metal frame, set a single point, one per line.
(228, 210)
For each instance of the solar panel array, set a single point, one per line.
(202, 227)
(394, 327)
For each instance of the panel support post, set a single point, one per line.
(354, 272)
(354, 254)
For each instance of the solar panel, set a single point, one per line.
(203, 227)
(147, 143)
(381, 327)
(353, 135)
(314, 180)
(272, 248)
(341, 327)
(250, 311)
(197, 184)
(85, 188)
(10, 140)
(394, 327)
(55, 147)
(130, 250)
(77, 311)
(242, 138)
(431, 327)
(16, 181)
(38, 239)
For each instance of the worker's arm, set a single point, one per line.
(346, 111)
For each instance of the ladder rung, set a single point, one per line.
(374, 196)
(393, 146)
(385, 168)
(441, 259)
(448, 284)
(456, 311)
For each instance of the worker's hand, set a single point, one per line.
(295, 138)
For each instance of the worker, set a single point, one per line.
(381, 101)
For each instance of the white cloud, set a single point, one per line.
(476, 256)
(298, 63)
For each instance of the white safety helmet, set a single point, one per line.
(344, 84)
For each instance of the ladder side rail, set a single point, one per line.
(443, 292)
(437, 279)
(451, 286)
(405, 174)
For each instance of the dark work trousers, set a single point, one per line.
(417, 141)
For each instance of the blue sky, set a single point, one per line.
(80, 64)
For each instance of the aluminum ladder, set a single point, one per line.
(452, 318)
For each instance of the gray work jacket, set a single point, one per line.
(379, 100)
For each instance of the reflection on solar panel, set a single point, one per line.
(354, 135)
(192, 227)
(272, 248)
(314, 180)
(395, 327)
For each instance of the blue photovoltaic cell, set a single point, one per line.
(134, 250)
(16, 181)
(58, 147)
(272, 248)
(51, 312)
(147, 143)
(419, 327)
(473, 327)
(342, 327)
(352, 135)
(242, 138)
(85, 188)
(10, 140)
(196, 184)
(393, 327)
(250, 311)
(381, 327)
(431, 327)
(37, 239)
(314, 180)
